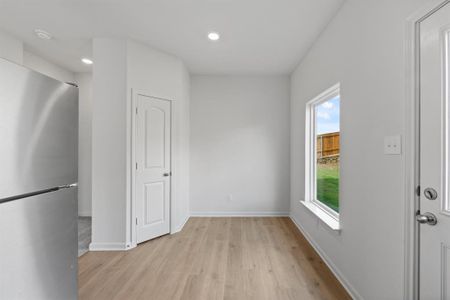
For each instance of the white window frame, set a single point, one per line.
(325, 213)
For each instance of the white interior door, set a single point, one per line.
(434, 251)
(153, 170)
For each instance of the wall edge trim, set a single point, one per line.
(239, 213)
(107, 247)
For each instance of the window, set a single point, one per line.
(323, 156)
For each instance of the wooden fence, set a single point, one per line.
(328, 144)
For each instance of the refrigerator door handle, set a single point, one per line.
(40, 192)
(68, 186)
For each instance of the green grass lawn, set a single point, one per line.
(328, 185)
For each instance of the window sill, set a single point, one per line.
(322, 215)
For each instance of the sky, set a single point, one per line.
(327, 116)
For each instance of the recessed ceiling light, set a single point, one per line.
(213, 36)
(87, 61)
(42, 34)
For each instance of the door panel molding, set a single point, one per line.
(149, 149)
(150, 218)
(445, 282)
(445, 46)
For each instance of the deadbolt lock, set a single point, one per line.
(430, 194)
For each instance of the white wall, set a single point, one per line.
(161, 75)
(183, 211)
(109, 144)
(45, 67)
(240, 145)
(363, 49)
(84, 81)
(122, 67)
(11, 48)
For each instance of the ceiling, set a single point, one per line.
(257, 36)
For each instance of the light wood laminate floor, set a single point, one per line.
(213, 258)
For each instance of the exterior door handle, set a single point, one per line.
(427, 218)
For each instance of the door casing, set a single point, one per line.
(412, 149)
(132, 208)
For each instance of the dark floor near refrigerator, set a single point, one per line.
(84, 234)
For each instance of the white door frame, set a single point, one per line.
(412, 155)
(134, 94)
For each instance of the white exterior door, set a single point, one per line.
(153, 170)
(434, 270)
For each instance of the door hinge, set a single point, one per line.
(418, 190)
(136, 166)
(136, 110)
(136, 221)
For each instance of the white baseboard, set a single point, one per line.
(84, 214)
(345, 283)
(179, 228)
(107, 247)
(239, 214)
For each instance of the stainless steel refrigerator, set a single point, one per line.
(38, 179)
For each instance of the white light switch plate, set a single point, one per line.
(393, 145)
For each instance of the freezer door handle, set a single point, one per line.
(40, 192)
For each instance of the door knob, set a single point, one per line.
(427, 218)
